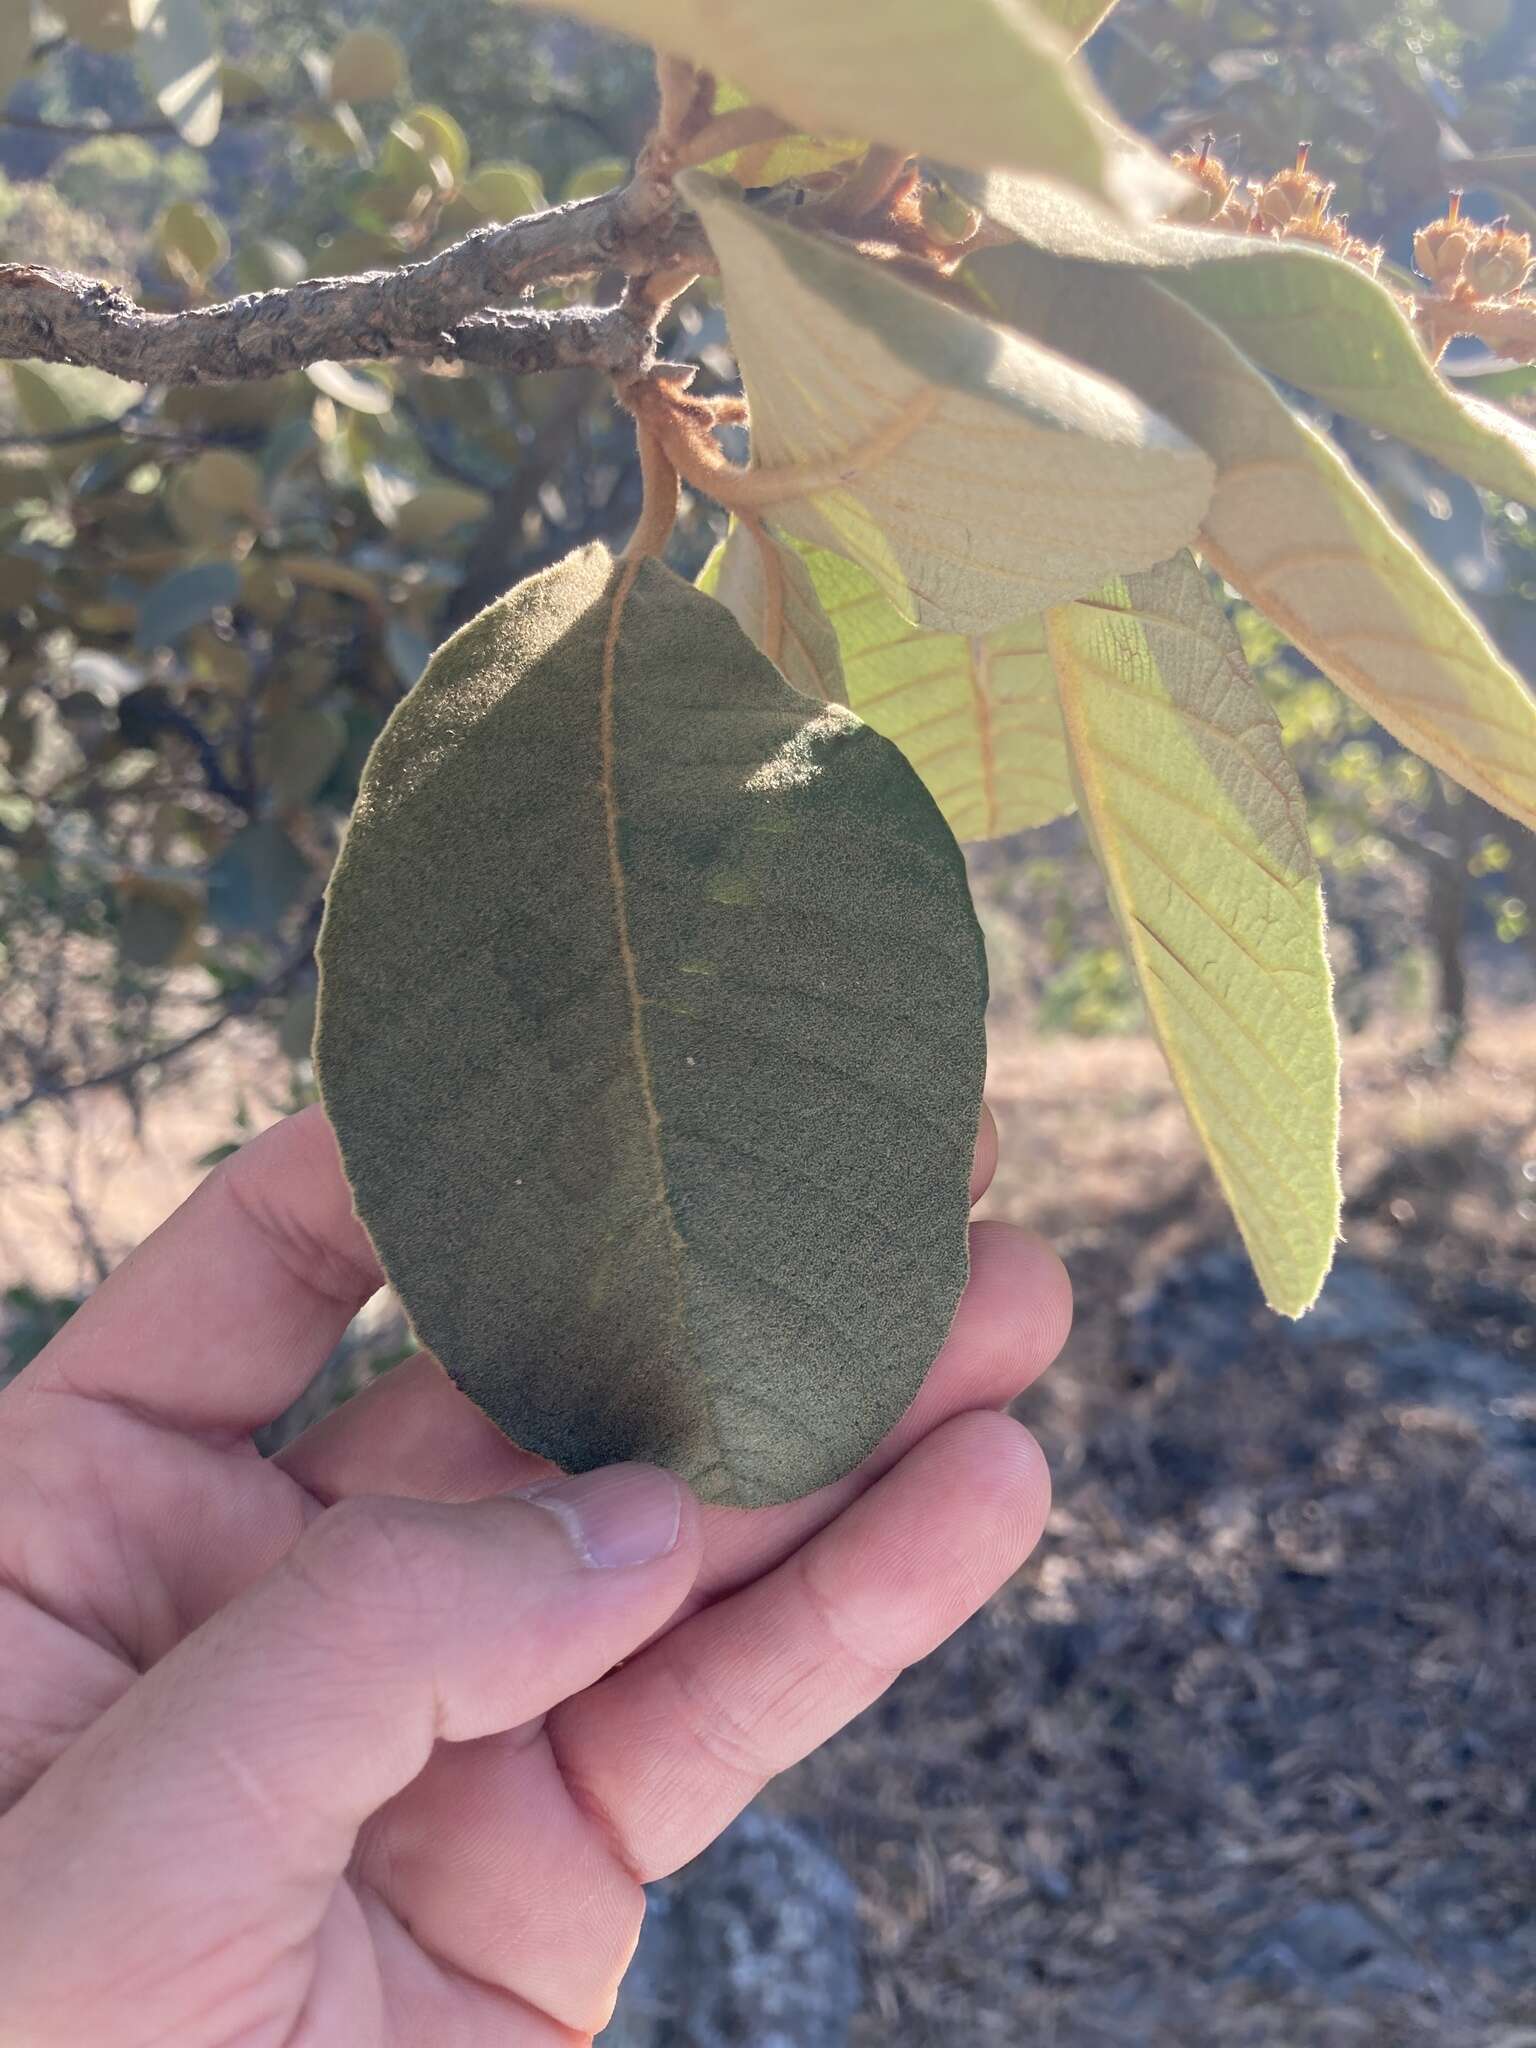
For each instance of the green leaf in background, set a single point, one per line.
(601, 175)
(1293, 528)
(184, 599)
(297, 752)
(179, 62)
(102, 25)
(438, 510)
(296, 1027)
(1302, 314)
(192, 241)
(975, 476)
(1494, 378)
(651, 1030)
(767, 589)
(258, 878)
(55, 398)
(504, 191)
(785, 157)
(336, 133)
(368, 64)
(158, 913)
(1200, 827)
(979, 82)
(976, 716)
(358, 390)
(225, 481)
(441, 134)
(15, 49)
(267, 262)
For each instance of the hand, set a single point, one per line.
(340, 1748)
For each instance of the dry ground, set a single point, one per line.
(1271, 1682)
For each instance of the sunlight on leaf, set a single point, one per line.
(1293, 529)
(975, 476)
(651, 1028)
(1301, 314)
(978, 82)
(975, 715)
(1200, 827)
(767, 589)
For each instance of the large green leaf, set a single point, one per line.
(1200, 827)
(1294, 530)
(976, 715)
(1311, 318)
(977, 82)
(179, 63)
(651, 1029)
(975, 476)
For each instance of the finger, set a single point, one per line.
(269, 1735)
(1012, 1321)
(227, 1312)
(667, 1751)
(411, 1433)
(414, 1433)
(984, 1163)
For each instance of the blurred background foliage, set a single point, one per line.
(211, 598)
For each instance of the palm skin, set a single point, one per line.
(353, 1747)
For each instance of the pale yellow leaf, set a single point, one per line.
(977, 82)
(780, 158)
(767, 588)
(1077, 19)
(1302, 314)
(1293, 529)
(976, 715)
(975, 475)
(1200, 827)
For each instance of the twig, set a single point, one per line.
(239, 1004)
(443, 308)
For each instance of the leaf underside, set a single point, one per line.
(974, 81)
(651, 1029)
(977, 716)
(1199, 824)
(1302, 314)
(974, 475)
(1293, 529)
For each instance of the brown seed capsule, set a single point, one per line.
(1498, 263)
(1210, 176)
(1440, 249)
(1294, 194)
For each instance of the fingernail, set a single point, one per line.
(623, 1515)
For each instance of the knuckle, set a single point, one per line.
(369, 1559)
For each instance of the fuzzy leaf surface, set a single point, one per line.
(977, 716)
(974, 475)
(977, 82)
(766, 587)
(1302, 314)
(1200, 827)
(650, 1026)
(1292, 527)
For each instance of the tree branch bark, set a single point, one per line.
(449, 307)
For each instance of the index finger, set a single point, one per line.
(224, 1315)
